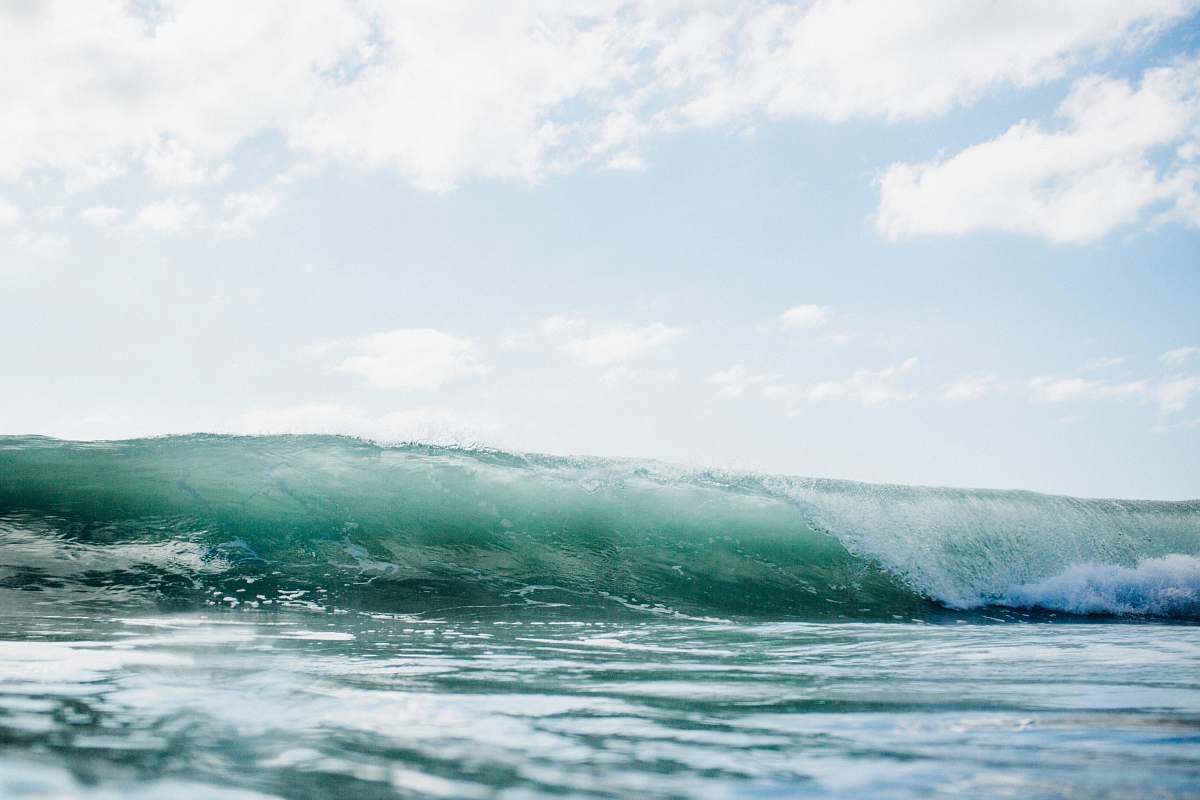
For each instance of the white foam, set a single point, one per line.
(1166, 587)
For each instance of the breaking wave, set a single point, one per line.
(1165, 587)
(346, 524)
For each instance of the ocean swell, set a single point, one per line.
(345, 524)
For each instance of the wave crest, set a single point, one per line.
(398, 528)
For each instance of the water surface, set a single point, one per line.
(313, 617)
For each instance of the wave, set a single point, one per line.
(1163, 587)
(346, 524)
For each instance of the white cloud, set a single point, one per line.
(452, 92)
(866, 386)
(1178, 356)
(616, 345)
(970, 387)
(413, 358)
(611, 346)
(560, 323)
(1060, 390)
(735, 381)
(167, 216)
(243, 209)
(9, 213)
(1174, 394)
(1094, 173)
(1170, 395)
(172, 164)
(859, 58)
(467, 92)
(805, 316)
(83, 176)
(112, 84)
(100, 216)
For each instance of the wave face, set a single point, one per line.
(346, 524)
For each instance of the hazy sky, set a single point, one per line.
(923, 242)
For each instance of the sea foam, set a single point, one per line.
(1166, 587)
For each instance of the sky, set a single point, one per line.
(946, 243)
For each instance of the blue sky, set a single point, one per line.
(937, 243)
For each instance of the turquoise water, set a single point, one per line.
(310, 617)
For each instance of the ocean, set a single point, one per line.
(312, 616)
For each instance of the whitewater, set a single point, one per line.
(312, 616)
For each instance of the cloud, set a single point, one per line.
(167, 216)
(1119, 153)
(113, 83)
(1170, 395)
(616, 345)
(1174, 394)
(428, 424)
(1060, 390)
(80, 177)
(100, 216)
(864, 59)
(735, 381)
(560, 324)
(970, 387)
(9, 213)
(866, 386)
(172, 164)
(243, 209)
(412, 358)
(1178, 356)
(447, 93)
(805, 316)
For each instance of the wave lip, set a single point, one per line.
(1161, 587)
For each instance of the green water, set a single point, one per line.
(313, 617)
